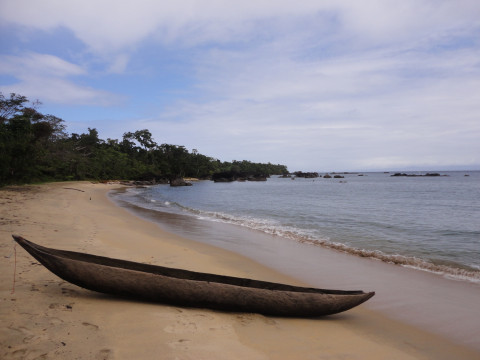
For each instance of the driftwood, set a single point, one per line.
(188, 288)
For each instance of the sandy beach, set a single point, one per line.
(43, 317)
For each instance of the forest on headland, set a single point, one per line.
(36, 147)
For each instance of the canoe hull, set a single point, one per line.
(187, 288)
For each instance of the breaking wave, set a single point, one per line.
(271, 227)
(453, 271)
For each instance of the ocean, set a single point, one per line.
(425, 223)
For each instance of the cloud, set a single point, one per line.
(347, 112)
(119, 64)
(407, 20)
(49, 65)
(337, 84)
(109, 25)
(49, 78)
(60, 91)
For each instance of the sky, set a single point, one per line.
(341, 85)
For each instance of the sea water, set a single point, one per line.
(423, 222)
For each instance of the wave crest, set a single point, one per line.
(305, 237)
(406, 261)
(269, 227)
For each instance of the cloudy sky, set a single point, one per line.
(317, 85)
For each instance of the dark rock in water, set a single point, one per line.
(257, 178)
(222, 179)
(417, 175)
(139, 183)
(339, 177)
(306, 175)
(179, 182)
(229, 176)
(144, 183)
(327, 176)
(226, 176)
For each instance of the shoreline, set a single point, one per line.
(429, 301)
(51, 318)
(388, 238)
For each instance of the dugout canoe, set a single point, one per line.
(189, 288)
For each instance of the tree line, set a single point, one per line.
(36, 147)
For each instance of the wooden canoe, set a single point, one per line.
(188, 288)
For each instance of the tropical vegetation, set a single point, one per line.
(36, 147)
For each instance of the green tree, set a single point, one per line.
(23, 131)
(12, 106)
(34, 146)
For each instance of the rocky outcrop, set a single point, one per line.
(417, 175)
(223, 179)
(141, 182)
(257, 178)
(179, 182)
(229, 176)
(306, 175)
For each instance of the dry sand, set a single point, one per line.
(47, 318)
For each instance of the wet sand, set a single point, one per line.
(430, 301)
(46, 317)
